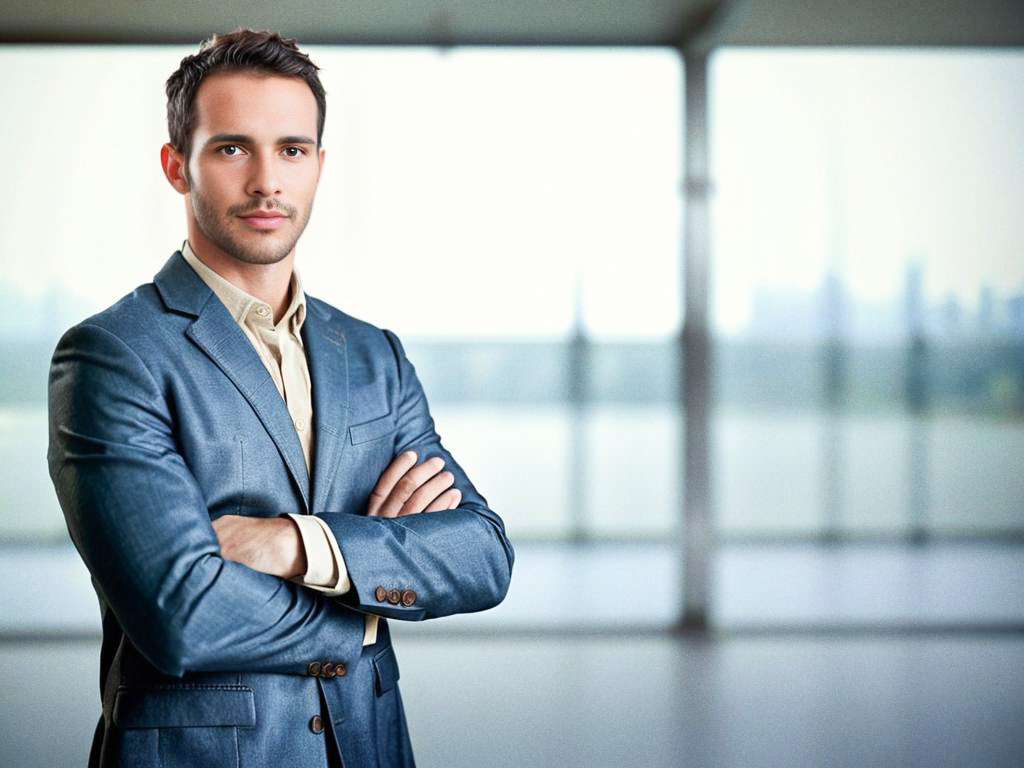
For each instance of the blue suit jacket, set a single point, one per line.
(162, 418)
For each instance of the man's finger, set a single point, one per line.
(450, 499)
(407, 485)
(427, 493)
(401, 464)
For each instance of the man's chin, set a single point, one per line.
(261, 254)
(260, 259)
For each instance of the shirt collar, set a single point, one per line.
(245, 308)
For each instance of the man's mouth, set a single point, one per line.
(264, 219)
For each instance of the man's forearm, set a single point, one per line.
(268, 544)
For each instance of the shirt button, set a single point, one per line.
(300, 424)
(262, 311)
(316, 725)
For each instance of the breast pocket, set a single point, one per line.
(181, 726)
(375, 429)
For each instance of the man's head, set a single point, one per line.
(240, 51)
(245, 116)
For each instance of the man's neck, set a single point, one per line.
(267, 282)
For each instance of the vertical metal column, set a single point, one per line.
(577, 395)
(834, 351)
(834, 395)
(696, 350)
(917, 399)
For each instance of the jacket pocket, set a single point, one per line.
(180, 726)
(385, 670)
(185, 707)
(371, 430)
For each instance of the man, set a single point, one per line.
(251, 476)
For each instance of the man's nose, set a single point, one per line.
(264, 181)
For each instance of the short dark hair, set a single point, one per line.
(240, 51)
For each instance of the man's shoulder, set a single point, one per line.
(134, 316)
(148, 312)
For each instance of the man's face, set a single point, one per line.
(254, 166)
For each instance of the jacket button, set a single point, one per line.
(408, 598)
(381, 594)
(394, 596)
(328, 670)
(314, 668)
(316, 725)
(340, 669)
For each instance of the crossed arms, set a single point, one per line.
(139, 519)
(273, 545)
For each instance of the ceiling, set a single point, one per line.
(704, 23)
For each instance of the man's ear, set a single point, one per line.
(174, 168)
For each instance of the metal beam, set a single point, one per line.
(696, 351)
(525, 22)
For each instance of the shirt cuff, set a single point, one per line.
(325, 566)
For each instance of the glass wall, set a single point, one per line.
(515, 216)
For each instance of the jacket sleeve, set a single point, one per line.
(139, 520)
(431, 564)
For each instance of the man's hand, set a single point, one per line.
(408, 488)
(267, 544)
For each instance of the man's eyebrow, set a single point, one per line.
(235, 138)
(241, 138)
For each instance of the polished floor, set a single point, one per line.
(618, 700)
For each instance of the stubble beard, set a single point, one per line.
(265, 250)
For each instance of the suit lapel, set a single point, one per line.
(328, 369)
(218, 335)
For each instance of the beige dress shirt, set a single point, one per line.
(283, 354)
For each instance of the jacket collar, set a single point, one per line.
(217, 334)
(180, 288)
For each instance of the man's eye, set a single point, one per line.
(230, 150)
(292, 152)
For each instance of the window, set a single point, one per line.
(512, 214)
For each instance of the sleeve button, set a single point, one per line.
(381, 594)
(394, 596)
(408, 598)
(314, 668)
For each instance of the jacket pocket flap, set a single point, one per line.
(385, 669)
(370, 430)
(224, 705)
